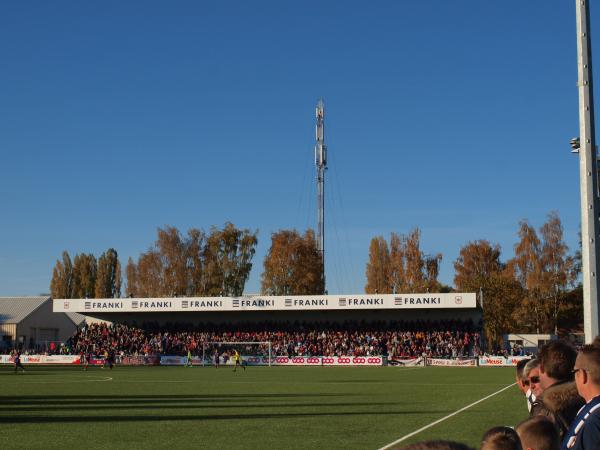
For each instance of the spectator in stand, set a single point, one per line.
(559, 400)
(538, 433)
(398, 339)
(501, 438)
(584, 432)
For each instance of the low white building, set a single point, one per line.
(530, 343)
(30, 323)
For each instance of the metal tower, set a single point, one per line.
(321, 163)
(590, 226)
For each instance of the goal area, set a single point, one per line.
(253, 353)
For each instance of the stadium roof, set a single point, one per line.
(15, 309)
(77, 318)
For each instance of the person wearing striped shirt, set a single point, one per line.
(584, 433)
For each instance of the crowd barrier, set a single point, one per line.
(155, 360)
(41, 359)
(498, 361)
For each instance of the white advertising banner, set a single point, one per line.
(500, 361)
(42, 359)
(452, 362)
(268, 303)
(173, 360)
(406, 362)
(352, 360)
(297, 361)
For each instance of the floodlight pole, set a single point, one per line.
(588, 179)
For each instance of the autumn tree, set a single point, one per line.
(410, 269)
(558, 268)
(84, 275)
(108, 279)
(293, 265)
(528, 271)
(173, 254)
(196, 264)
(148, 280)
(476, 263)
(61, 285)
(228, 260)
(378, 268)
(478, 266)
(132, 278)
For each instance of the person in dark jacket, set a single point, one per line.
(584, 433)
(560, 400)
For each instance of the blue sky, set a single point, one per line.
(120, 117)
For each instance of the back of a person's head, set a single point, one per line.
(557, 359)
(538, 433)
(589, 359)
(521, 367)
(501, 438)
(437, 445)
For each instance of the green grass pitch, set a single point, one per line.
(276, 407)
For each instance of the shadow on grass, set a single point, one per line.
(188, 405)
(196, 417)
(112, 399)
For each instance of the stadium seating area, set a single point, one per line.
(445, 339)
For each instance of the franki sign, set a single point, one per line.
(268, 303)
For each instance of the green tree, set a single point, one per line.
(108, 279)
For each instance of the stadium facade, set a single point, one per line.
(313, 308)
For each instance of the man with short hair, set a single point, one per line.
(501, 438)
(531, 373)
(538, 433)
(584, 433)
(559, 401)
(522, 382)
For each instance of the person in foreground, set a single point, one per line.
(559, 400)
(538, 433)
(584, 433)
(501, 438)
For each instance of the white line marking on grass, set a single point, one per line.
(403, 438)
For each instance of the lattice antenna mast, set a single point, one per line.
(321, 163)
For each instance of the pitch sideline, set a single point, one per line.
(403, 438)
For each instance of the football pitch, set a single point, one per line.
(262, 407)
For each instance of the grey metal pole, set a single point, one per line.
(321, 163)
(588, 180)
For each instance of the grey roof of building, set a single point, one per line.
(77, 318)
(15, 309)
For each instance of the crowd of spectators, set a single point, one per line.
(438, 339)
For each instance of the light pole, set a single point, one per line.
(588, 179)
